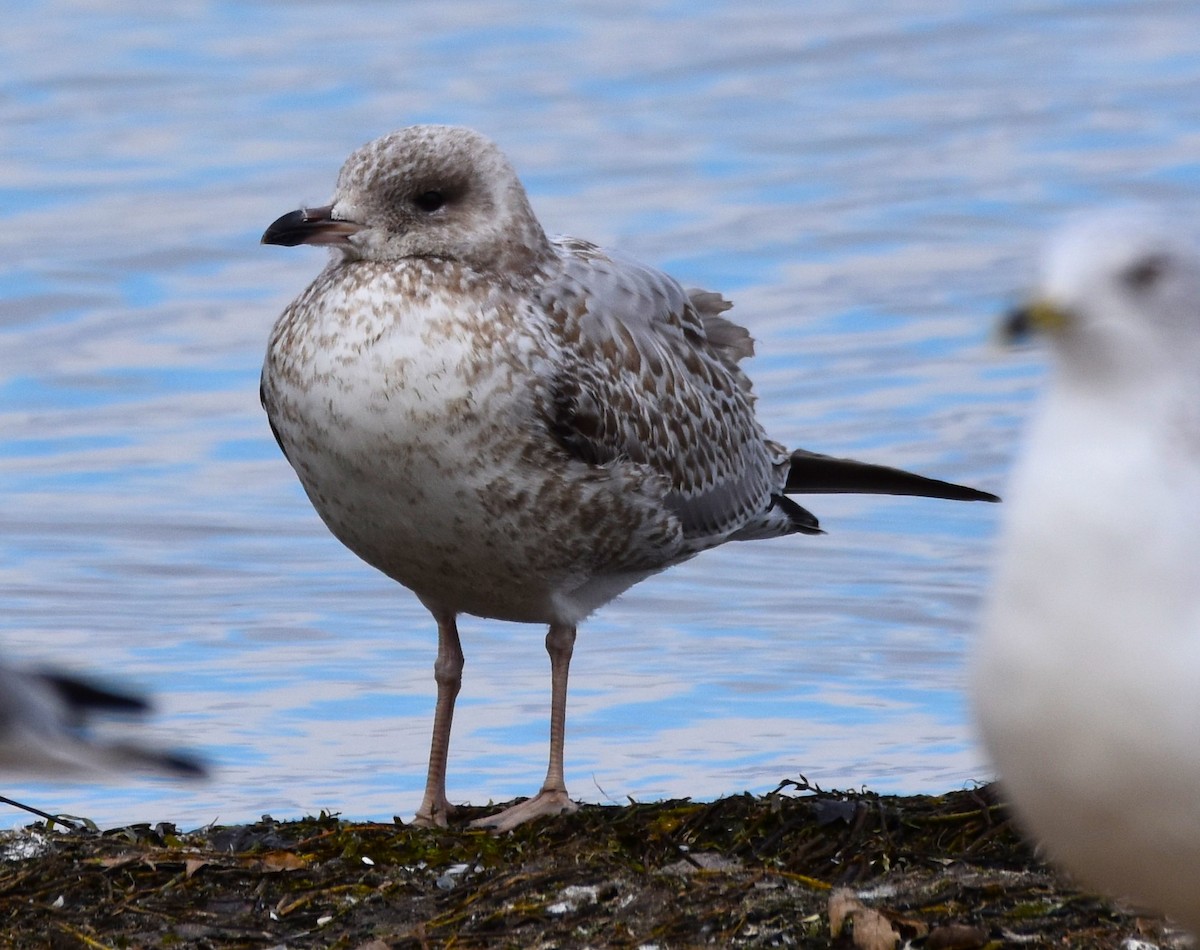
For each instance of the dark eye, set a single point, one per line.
(429, 201)
(1146, 272)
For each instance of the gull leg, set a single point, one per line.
(560, 644)
(447, 673)
(552, 799)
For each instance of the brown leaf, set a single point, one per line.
(842, 903)
(192, 865)
(909, 928)
(283, 861)
(872, 930)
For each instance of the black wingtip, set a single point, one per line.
(82, 695)
(182, 765)
(816, 474)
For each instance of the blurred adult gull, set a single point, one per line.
(514, 426)
(1087, 680)
(43, 715)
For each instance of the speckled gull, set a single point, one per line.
(1087, 679)
(42, 735)
(514, 426)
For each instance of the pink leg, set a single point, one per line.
(552, 799)
(447, 673)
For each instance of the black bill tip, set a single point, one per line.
(1017, 325)
(309, 226)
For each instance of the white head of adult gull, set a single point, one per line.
(513, 426)
(1086, 683)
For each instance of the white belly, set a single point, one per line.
(420, 444)
(1087, 681)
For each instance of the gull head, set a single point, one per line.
(1119, 293)
(425, 192)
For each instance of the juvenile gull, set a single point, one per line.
(42, 735)
(1087, 681)
(514, 426)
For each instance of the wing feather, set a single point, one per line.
(651, 378)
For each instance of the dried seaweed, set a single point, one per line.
(941, 872)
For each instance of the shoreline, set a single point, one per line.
(800, 866)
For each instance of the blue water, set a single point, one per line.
(869, 186)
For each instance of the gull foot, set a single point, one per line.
(435, 816)
(543, 804)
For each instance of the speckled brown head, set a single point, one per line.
(427, 191)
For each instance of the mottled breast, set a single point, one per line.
(415, 401)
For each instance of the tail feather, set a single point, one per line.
(803, 521)
(814, 474)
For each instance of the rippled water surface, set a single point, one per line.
(869, 187)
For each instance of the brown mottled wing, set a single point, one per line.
(643, 383)
(731, 342)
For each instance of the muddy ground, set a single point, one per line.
(800, 867)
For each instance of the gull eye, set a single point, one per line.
(1145, 273)
(429, 201)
